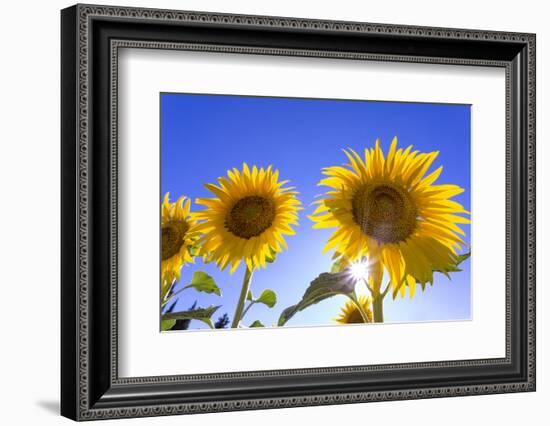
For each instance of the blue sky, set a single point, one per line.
(202, 136)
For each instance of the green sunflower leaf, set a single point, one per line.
(199, 314)
(324, 286)
(256, 324)
(167, 324)
(205, 283)
(249, 296)
(268, 298)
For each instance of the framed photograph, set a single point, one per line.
(263, 212)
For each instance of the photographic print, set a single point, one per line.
(292, 212)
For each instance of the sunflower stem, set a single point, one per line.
(377, 296)
(355, 300)
(369, 288)
(171, 296)
(377, 311)
(242, 298)
(247, 308)
(386, 290)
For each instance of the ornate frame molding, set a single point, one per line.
(80, 19)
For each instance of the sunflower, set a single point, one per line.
(248, 218)
(350, 313)
(388, 212)
(178, 239)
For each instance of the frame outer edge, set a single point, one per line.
(81, 365)
(68, 181)
(531, 212)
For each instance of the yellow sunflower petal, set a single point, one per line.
(247, 218)
(390, 205)
(179, 234)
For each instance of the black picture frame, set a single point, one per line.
(90, 386)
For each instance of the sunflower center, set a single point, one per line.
(173, 237)
(250, 216)
(384, 212)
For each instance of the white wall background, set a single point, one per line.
(29, 211)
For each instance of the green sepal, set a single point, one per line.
(272, 256)
(453, 266)
(193, 250)
(339, 265)
(450, 267)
